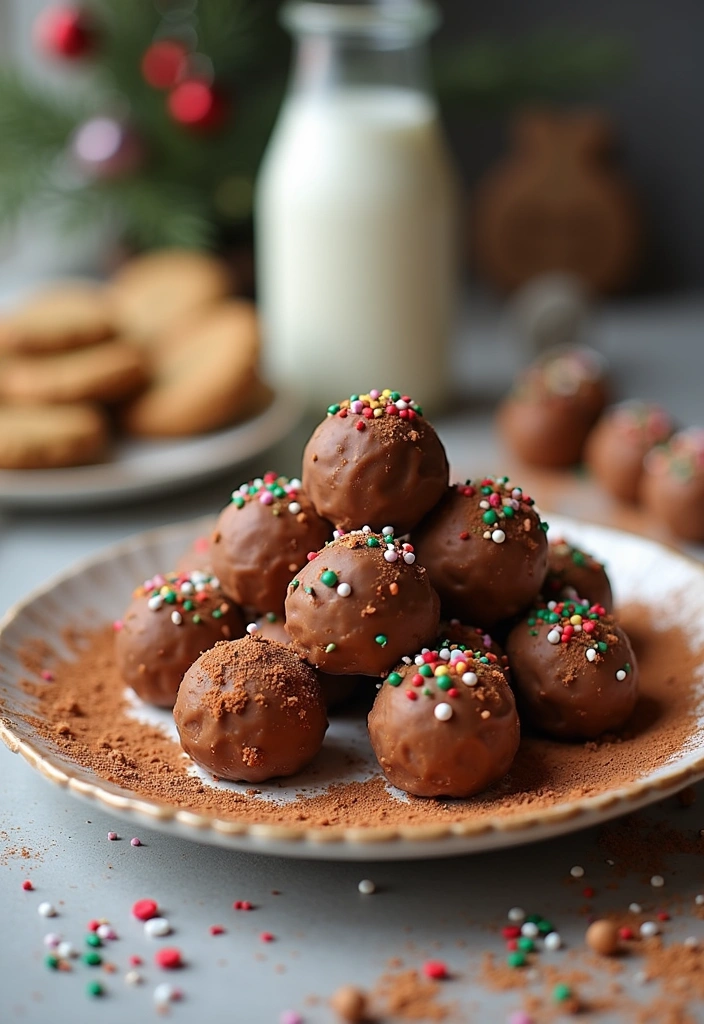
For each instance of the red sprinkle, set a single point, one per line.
(168, 958)
(242, 905)
(663, 915)
(453, 692)
(367, 412)
(144, 909)
(512, 945)
(216, 929)
(27, 885)
(435, 969)
(360, 425)
(93, 925)
(134, 960)
(625, 933)
(464, 535)
(588, 892)
(511, 931)
(311, 555)
(266, 937)
(411, 694)
(47, 675)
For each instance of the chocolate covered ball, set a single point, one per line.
(250, 710)
(573, 670)
(336, 689)
(197, 556)
(375, 460)
(262, 538)
(673, 484)
(361, 604)
(620, 441)
(554, 404)
(445, 724)
(485, 550)
(573, 573)
(171, 620)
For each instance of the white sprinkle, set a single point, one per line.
(406, 660)
(470, 679)
(337, 534)
(187, 588)
(164, 993)
(648, 929)
(577, 628)
(51, 939)
(295, 484)
(620, 675)
(487, 535)
(484, 504)
(155, 927)
(699, 900)
(498, 536)
(133, 978)
(366, 887)
(176, 618)
(105, 931)
(388, 531)
(691, 942)
(252, 628)
(366, 529)
(641, 978)
(419, 659)
(577, 871)
(635, 908)
(344, 590)
(444, 654)
(517, 493)
(401, 404)
(657, 881)
(516, 914)
(391, 555)
(155, 603)
(214, 582)
(530, 930)
(554, 636)
(443, 712)
(408, 557)
(610, 862)
(552, 941)
(258, 482)
(294, 508)
(552, 605)
(590, 654)
(46, 910)
(66, 950)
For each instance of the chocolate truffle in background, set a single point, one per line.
(171, 620)
(474, 639)
(375, 460)
(617, 445)
(250, 710)
(361, 604)
(336, 689)
(555, 402)
(196, 557)
(485, 550)
(573, 670)
(262, 538)
(573, 573)
(673, 484)
(444, 724)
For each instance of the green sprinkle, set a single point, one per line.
(578, 558)
(486, 490)
(545, 527)
(94, 989)
(603, 647)
(51, 961)
(170, 598)
(332, 409)
(372, 542)
(516, 959)
(490, 517)
(394, 679)
(238, 502)
(525, 944)
(329, 578)
(545, 926)
(561, 992)
(425, 670)
(270, 616)
(443, 683)
(196, 618)
(217, 614)
(381, 640)
(308, 590)
(427, 692)
(509, 512)
(553, 617)
(395, 395)
(294, 584)
(533, 632)
(534, 918)
(93, 940)
(92, 958)
(278, 492)
(188, 606)
(627, 667)
(531, 621)
(330, 648)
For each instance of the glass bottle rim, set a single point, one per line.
(389, 18)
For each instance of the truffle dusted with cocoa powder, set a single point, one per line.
(573, 670)
(673, 484)
(620, 441)
(573, 573)
(375, 460)
(263, 538)
(361, 604)
(171, 620)
(485, 550)
(250, 710)
(444, 724)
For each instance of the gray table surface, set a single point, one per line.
(326, 933)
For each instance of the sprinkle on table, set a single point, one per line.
(27, 885)
(168, 958)
(435, 969)
(144, 909)
(46, 910)
(366, 887)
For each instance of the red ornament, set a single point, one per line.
(63, 31)
(196, 105)
(163, 63)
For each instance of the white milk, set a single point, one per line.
(355, 236)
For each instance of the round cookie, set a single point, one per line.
(485, 550)
(444, 724)
(554, 404)
(574, 573)
(375, 460)
(360, 604)
(204, 376)
(262, 539)
(573, 670)
(250, 710)
(47, 437)
(170, 621)
(619, 442)
(103, 373)
(155, 292)
(197, 556)
(673, 484)
(63, 316)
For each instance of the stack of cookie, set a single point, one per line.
(160, 351)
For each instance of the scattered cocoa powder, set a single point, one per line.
(408, 996)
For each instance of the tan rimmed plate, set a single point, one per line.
(642, 571)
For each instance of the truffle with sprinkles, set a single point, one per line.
(444, 723)
(573, 670)
(262, 538)
(573, 573)
(375, 460)
(620, 441)
(360, 603)
(172, 618)
(673, 484)
(485, 550)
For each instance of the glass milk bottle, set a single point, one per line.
(355, 213)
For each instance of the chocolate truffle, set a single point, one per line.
(361, 604)
(573, 573)
(673, 484)
(250, 710)
(196, 557)
(336, 689)
(375, 460)
(171, 619)
(554, 404)
(444, 724)
(263, 538)
(485, 550)
(573, 670)
(619, 442)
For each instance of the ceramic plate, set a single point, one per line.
(139, 469)
(643, 571)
